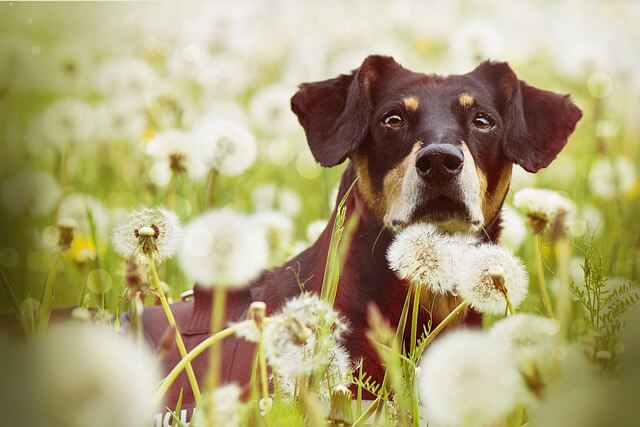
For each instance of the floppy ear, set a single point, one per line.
(537, 122)
(335, 113)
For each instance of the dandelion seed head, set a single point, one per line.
(611, 177)
(227, 147)
(423, 256)
(126, 76)
(223, 404)
(543, 208)
(290, 340)
(30, 192)
(315, 229)
(77, 206)
(277, 226)
(514, 229)
(91, 375)
(270, 110)
(530, 338)
(224, 248)
(468, 377)
(476, 284)
(150, 231)
(178, 152)
(68, 121)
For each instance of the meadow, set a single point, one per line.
(118, 118)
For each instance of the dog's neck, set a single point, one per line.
(365, 277)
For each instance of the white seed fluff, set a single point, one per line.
(30, 192)
(91, 375)
(178, 152)
(476, 285)
(226, 147)
(290, 339)
(542, 204)
(425, 257)
(168, 237)
(530, 338)
(223, 248)
(468, 378)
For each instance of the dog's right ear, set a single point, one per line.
(335, 113)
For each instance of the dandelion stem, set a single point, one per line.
(211, 188)
(46, 301)
(399, 332)
(414, 318)
(217, 319)
(186, 360)
(263, 366)
(563, 305)
(546, 299)
(172, 322)
(450, 317)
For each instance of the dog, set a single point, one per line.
(424, 148)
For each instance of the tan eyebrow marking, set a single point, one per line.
(466, 100)
(410, 103)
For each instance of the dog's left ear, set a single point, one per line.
(536, 122)
(335, 113)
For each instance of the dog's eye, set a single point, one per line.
(482, 121)
(392, 120)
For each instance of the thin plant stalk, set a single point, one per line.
(414, 318)
(450, 317)
(375, 406)
(211, 189)
(263, 366)
(563, 307)
(46, 301)
(546, 299)
(217, 319)
(193, 382)
(186, 360)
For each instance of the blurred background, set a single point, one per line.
(84, 87)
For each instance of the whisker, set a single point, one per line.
(376, 241)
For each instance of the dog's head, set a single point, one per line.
(433, 148)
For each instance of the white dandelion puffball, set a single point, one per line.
(78, 206)
(177, 152)
(225, 406)
(161, 241)
(270, 109)
(30, 192)
(126, 76)
(226, 147)
(91, 375)
(425, 257)
(530, 338)
(335, 370)
(120, 119)
(277, 226)
(476, 285)
(68, 121)
(514, 229)
(69, 65)
(315, 229)
(290, 337)
(223, 248)
(468, 378)
(608, 178)
(542, 204)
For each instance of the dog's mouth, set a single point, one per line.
(440, 209)
(448, 214)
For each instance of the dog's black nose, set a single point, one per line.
(439, 162)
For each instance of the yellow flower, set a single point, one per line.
(82, 249)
